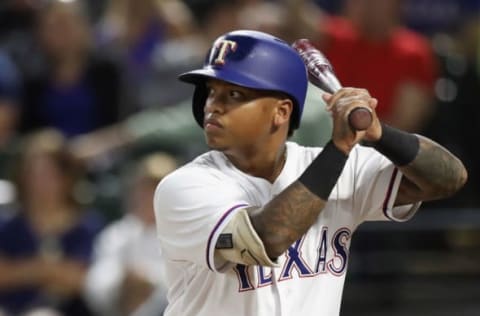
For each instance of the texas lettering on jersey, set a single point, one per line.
(295, 261)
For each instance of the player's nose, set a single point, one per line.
(214, 104)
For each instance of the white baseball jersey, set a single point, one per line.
(194, 203)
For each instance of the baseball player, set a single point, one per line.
(262, 226)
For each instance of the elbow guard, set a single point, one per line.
(239, 243)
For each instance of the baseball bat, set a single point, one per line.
(320, 73)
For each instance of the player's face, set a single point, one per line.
(237, 117)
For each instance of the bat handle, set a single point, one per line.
(360, 118)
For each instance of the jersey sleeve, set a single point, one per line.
(192, 207)
(376, 181)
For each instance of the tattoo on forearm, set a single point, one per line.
(436, 169)
(286, 218)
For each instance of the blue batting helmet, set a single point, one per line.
(254, 60)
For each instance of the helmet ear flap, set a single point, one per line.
(199, 98)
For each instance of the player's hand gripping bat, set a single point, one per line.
(320, 73)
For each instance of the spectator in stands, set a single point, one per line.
(369, 47)
(139, 34)
(126, 276)
(78, 91)
(134, 29)
(45, 247)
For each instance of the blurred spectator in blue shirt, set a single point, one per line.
(78, 91)
(46, 246)
(138, 34)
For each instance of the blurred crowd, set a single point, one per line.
(92, 117)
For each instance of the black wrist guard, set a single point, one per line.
(398, 146)
(322, 174)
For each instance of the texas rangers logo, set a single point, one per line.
(221, 49)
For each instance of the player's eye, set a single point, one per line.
(237, 95)
(210, 90)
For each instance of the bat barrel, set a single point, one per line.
(320, 71)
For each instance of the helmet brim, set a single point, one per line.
(199, 76)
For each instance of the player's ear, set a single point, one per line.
(283, 111)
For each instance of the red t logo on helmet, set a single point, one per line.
(223, 48)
